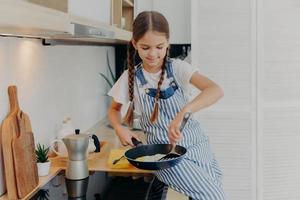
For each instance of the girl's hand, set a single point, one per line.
(174, 133)
(125, 136)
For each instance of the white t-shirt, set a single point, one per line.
(182, 70)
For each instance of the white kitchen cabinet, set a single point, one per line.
(57, 22)
(21, 18)
(177, 13)
(97, 10)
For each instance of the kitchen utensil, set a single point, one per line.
(172, 153)
(77, 189)
(96, 142)
(153, 149)
(9, 130)
(168, 161)
(117, 160)
(25, 166)
(93, 146)
(77, 145)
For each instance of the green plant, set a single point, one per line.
(42, 194)
(111, 79)
(41, 153)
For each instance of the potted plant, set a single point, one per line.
(43, 163)
(109, 79)
(42, 194)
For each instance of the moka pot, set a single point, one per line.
(77, 167)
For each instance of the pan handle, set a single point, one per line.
(185, 119)
(136, 142)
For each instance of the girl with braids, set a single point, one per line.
(155, 89)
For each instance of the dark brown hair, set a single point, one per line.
(144, 22)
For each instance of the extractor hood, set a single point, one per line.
(85, 31)
(24, 19)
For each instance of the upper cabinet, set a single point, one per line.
(21, 18)
(61, 20)
(61, 5)
(96, 10)
(178, 14)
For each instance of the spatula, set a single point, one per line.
(117, 160)
(172, 153)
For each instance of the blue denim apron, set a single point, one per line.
(198, 175)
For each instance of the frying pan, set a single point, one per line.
(151, 149)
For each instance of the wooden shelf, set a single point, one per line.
(122, 14)
(127, 3)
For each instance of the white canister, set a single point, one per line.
(123, 22)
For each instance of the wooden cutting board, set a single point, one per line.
(116, 154)
(9, 130)
(24, 159)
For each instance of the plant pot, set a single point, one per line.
(43, 168)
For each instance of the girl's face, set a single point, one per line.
(152, 48)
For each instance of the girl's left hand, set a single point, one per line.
(174, 133)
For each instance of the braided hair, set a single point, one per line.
(144, 22)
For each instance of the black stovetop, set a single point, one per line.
(113, 188)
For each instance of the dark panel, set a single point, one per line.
(176, 51)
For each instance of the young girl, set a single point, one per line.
(156, 89)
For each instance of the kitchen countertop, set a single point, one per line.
(109, 141)
(42, 181)
(96, 161)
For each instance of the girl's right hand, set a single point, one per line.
(125, 136)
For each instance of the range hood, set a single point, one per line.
(24, 19)
(85, 31)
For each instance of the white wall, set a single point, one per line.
(251, 49)
(279, 99)
(54, 82)
(222, 49)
